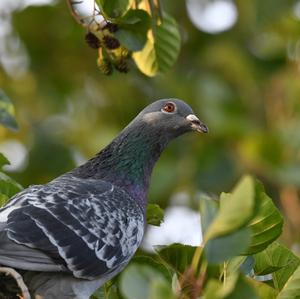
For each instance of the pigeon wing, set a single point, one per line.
(89, 226)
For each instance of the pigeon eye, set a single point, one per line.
(169, 108)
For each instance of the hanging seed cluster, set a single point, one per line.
(112, 55)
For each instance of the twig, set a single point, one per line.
(73, 13)
(81, 20)
(196, 258)
(19, 280)
(160, 10)
(152, 8)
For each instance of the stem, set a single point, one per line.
(196, 258)
(201, 277)
(160, 10)
(136, 5)
(94, 10)
(152, 8)
(203, 267)
(19, 280)
(225, 273)
(153, 16)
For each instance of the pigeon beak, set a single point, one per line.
(196, 124)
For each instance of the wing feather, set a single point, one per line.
(88, 225)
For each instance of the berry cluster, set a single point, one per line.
(112, 55)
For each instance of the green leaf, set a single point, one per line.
(161, 290)
(242, 290)
(107, 291)
(133, 28)
(266, 226)
(7, 112)
(99, 294)
(212, 290)
(161, 50)
(220, 249)
(114, 8)
(244, 264)
(8, 187)
(136, 281)
(112, 293)
(177, 256)
(150, 261)
(3, 199)
(236, 209)
(3, 160)
(266, 262)
(281, 276)
(291, 289)
(234, 264)
(235, 287)
(276, 257)
(263, 290)
(208, 211)
(154, 214)
(142, 281)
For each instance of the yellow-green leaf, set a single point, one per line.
(291, 289)
(236, 209)
(161, 49)
(263, 290)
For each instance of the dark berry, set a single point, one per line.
(110, 42)
(105, 66)
(122, 66)
(92, 40)
(111, 27)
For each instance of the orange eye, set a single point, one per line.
(169, 107)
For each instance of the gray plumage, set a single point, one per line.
(82, 228)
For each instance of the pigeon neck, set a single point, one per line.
(128, 160)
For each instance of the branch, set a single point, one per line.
(18, 279)
(90, 20)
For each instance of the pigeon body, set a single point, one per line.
(76, 232)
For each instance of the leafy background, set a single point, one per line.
(242, 82)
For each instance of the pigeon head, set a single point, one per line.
(129, 159)
(170, 117)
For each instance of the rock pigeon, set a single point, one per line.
(70, 236)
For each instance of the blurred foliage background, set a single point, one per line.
(242, 78)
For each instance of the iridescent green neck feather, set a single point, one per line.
(128, 160)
